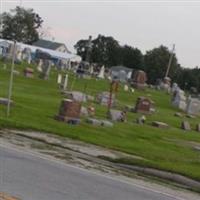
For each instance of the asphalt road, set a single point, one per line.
(30, 177)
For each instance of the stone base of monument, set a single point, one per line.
(160, 124)
(97, 122)
(74, 121)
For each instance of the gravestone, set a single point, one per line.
(175, 88)
(198, 127)
(104, 98)
(4, 101)
(39, 66)
(69, 109)
(59, 79)
(106, 123)
(116, 115)
(46, 68)
(165, 84)
(179, 99)
(94, 121)
(101, 73)
(193, 106)
(84, 111)
(177, 114)
(141, 120)
(91, 110)
(143, 105)
(125, 88)
(65, 83)
(160, 124)
(28, 72)
(185, 125)
(77, 96)
(139, 79)
(26, 55)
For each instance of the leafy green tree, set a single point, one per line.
(156, 62)
(132, 57)
(82, 48)
(105, 50)
(20, 24)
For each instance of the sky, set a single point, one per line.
(144, 24)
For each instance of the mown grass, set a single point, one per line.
(37, 101)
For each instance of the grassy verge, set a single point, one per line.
(37, 102)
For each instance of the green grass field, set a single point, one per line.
(37, 102)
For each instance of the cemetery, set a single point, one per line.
(147, 122)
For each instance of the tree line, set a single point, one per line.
(25, 25)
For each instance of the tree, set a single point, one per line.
(21, 25)
(156, 61)
(105, 50)
(82, 49)
(132, 57)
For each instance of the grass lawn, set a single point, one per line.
(37, 101)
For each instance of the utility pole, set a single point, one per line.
(11, 80)
(170, 61)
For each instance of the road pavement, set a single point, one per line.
(31, 177)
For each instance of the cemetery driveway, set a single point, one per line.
(31, 177)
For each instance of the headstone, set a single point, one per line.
(104, 98)
(65, 82)
(139, 79)
(97, 122)
(193, 106)
(90, 98)
(69, 109)
(198, 127)
(175, 88)
(39, 66)
(15, 72)
(165, 84)
(141, 119)
(93, 121)
(73, 121)
(101, 73)
(26, 55)
(77, 96)
(185, 125)
(46, 68)
(179, 99)
(28, 72)
(59, 79)
(84, 111)
(106, 123)
(4, 101)
(91, 110)
(116, 115)
(177, 114)
(125, 88)
(143, 105)
(160, 124)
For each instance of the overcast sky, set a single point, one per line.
(143, 24)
